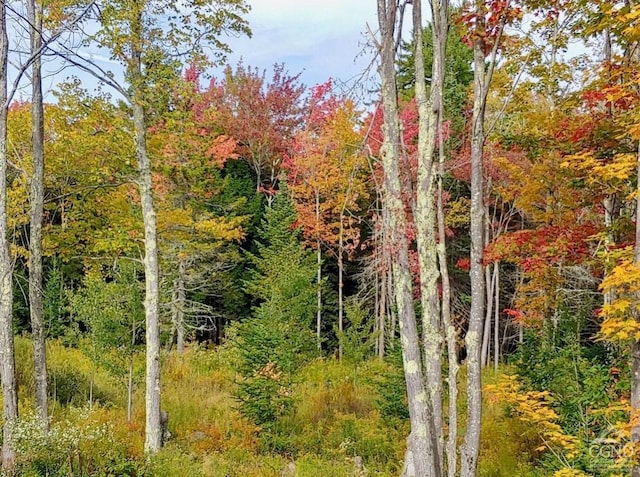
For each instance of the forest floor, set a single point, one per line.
(346, 421)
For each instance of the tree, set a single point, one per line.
(277, 340)
(7, 359)
(486, 22)
(429, 110)
(262, 116)
(36, 198)
(196, 240)
(327, 177)
(421, 442)
(149, 51)
(110, 308)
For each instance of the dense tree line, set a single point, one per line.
(483, 211)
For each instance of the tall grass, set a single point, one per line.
(336, 425)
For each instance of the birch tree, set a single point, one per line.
(7, 358)
(635, 345)
(33, 19)
(422, 453)
(484, 40)
(429, 112)
(149, 39)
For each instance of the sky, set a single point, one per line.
(320, 39)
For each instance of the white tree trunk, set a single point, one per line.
(180, 305)
(451, 335)
(7, 357)
(490, 282)
(635, 346)
(381, 311)
(153, 432)
(430, 110)
(421, 444)
(340, 286)
(130, 390)
(496, 322)
(319, 276)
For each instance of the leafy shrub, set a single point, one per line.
(80, 444)
(576, 381)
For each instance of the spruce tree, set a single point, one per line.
(277, 340)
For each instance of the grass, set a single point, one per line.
(336, 422)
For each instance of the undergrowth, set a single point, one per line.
(342, 422)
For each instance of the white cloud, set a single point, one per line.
(321, 37)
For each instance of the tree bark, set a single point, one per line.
(496, 322)
(381, 312)
(429, 111)
(7, 356)
(471, 447)
(635, 345)
(490, 284)
(451, 335)
(424, 453)
(340, 286)
(153, 431)
(37, 207)
(609, 200)
(180, 307)
(130, 390)
(318, 275)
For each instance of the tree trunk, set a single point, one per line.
(381, 312)
(180, 307)
(451, 446)
(7, 356)
(340, 287)
(609, 200)
(496, 329)
(153, 434)
(319, 276)
(37, 204)
(471, 447)
(388, 278)
(153, 431)
(635, 345)
(424, 453)
(134, 330)
(130, 390)
(319, 296)
(429, 110)
(486, 331)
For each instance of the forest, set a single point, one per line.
(211, 269)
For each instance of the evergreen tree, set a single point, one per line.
(277, 340)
